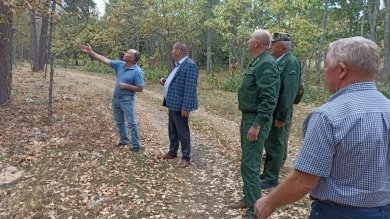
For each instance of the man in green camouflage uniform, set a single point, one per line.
(290, 74)
(257, 99)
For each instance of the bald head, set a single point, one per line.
(264, 37)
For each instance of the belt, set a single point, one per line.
(329, 202)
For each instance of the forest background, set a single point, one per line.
(216, 31)
(70, 174)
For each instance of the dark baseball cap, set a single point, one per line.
(281, 37)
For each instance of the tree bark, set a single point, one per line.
(50, 107)
(322, 41)
(373, 10)
(208, 62)
(364, 9)
(6, 54)
(33, 42)
(43, 38)
(386, 66)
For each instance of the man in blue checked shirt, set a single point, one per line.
(129, 80)
(180, 97)
(344, 162)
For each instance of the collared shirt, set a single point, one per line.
(280, 58)
(132, 75)
(347, 144)
(172, 75)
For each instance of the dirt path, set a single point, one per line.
(73, 170)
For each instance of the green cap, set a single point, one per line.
(281, 37)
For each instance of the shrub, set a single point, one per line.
(154, 75)
(97, 68)
(315, 94)
(384, 89)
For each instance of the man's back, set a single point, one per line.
(352, 153)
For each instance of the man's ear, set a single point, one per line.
(257, 43)
(343, 70)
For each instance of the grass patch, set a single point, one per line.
(97, 68)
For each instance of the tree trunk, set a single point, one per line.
(34, 42)
(50, 107)
(6, 54)
(43, 38)
(209, 63)
(373, 10)
(322, 41)
(364, 8)
(242, 60)
(386, 66)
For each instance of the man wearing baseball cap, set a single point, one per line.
(290, 74)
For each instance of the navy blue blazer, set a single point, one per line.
(182, 94)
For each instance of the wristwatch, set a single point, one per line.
(255, 125)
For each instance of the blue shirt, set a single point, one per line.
(347, 143)
(130, 75)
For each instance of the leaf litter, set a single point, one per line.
(74, 170)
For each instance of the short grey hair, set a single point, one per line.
(287, 45)
(264, 37)
(358, 53)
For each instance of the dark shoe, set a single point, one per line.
(120, 145)
(237, 205)
(136, 149)
(248, 217)
(262, 176)
(183, 164)
(166, 157)
(267, 185)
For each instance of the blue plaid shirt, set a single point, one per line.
(347, 143)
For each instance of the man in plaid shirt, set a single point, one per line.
(344, 162)
(180, 97)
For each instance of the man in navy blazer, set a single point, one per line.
(180, 97)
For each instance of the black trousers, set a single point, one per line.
(179, 132)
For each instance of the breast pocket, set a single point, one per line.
(249, 81)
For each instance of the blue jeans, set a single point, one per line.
(123, 109)
(320, 210)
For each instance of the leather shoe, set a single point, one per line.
(166, 157)
(183, 164)
(237, 205)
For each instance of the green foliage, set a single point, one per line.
(212, 80)
(384, 89)
(315, 95)
(97, 68)
(231, 84)
(154, 75)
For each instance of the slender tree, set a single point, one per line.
(34, 54)
(322, 41)
(386, 66)
(6, 51)
(373, 11)
(43, 36)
